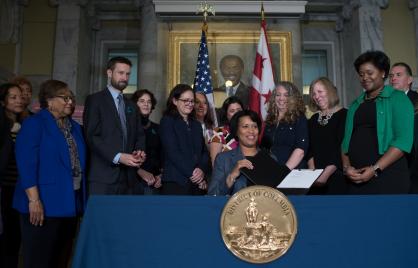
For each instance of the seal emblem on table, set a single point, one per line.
(258, 224)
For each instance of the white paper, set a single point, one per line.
(300, 178)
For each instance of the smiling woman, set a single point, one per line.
(50, 192)
(181, 139)
(150, 170)
(286, 132)
(378, 131)
(227, 177)
(11, 108)
(326, 131)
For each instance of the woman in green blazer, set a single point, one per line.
(378, 131)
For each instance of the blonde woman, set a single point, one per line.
(286, 132)
(326, 132)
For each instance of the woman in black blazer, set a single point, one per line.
(184, 151)
(11, 108)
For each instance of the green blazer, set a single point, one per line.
(395, 120)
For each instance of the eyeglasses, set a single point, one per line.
(145, 102)
(66, 99)
(187, 101)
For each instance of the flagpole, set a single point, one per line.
(203, 79)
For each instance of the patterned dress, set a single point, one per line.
(223, 136)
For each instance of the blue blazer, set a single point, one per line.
(224, 163)
(43, 160)
(184, 149)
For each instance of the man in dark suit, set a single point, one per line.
(232, 67)
(401, 78)
(114, 134)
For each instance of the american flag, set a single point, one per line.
(203, 79)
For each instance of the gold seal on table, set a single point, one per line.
(258, 224)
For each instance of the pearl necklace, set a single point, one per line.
(323, 118)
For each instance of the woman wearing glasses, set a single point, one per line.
(50, 156)
(184, 151)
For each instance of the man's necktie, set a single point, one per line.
(230, 91)
(122, 117)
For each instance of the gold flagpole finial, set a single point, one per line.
(262, 11)
(206, 9)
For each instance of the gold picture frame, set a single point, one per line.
(184, 47)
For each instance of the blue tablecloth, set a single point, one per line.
(182, 231)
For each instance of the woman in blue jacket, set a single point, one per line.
(50, 156)
(185, 156)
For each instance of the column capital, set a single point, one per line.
(350, 5)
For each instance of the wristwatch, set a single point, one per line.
(377, 170)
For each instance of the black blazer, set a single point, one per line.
(184, 149)
(6, 143)
(413, 97)
(104, 136)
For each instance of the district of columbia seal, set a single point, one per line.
(258, 224)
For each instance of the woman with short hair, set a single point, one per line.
(227, 179)
(378, 131)
(150, 170)
(50, 192)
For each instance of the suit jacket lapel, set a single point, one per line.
(58, 137)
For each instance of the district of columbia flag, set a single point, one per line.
(263, 79)
(203, 79)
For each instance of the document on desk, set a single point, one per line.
(300, 178)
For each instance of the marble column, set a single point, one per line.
(150, 69)
(413, 5)
(11, 21)
(361, 30)
(72, 50)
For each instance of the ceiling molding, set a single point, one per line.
(230, 8)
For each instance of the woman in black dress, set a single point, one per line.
(378, 131)
(326, 132)
(150, 170)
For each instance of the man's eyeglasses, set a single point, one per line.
(187, 101)
(66, 99)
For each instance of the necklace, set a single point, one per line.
(370, 98)
(323, 118)
(367, 97)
